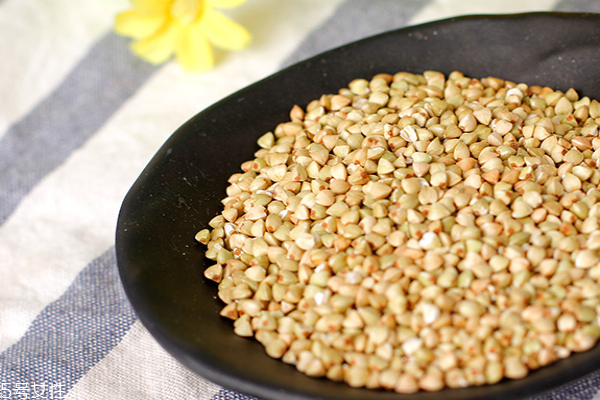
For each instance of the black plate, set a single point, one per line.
(179, 191)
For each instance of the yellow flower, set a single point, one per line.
(185, 28)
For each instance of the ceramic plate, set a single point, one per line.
(180, 190)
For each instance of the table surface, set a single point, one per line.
(81, 117)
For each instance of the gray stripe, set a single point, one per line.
(71, 334)
(226, 394)
(591, 6)
(354, 20)
(582, 389)
(62, 122)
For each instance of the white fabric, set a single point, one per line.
(451, 8)
(52, 36)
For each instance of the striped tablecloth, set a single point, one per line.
(80, 117)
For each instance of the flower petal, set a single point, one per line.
(223, 32)
(193, 50)
(159, 47)
(137, 25)
(151, 6)
(225, 3)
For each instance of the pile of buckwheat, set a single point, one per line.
(415, 232)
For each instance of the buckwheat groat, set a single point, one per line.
(415, 232)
